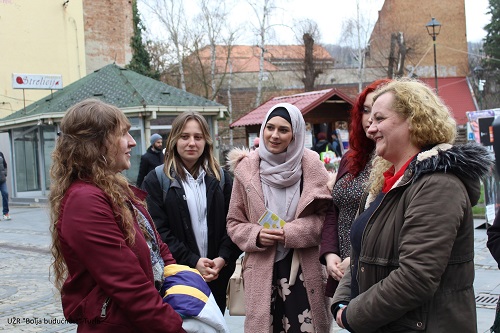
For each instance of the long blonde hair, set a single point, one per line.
(89, 130)
(173, 160)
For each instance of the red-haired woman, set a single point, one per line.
(348, 187)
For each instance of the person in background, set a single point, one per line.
(191, 215)
(3, 187)
(153, 157)
(348, 186)
(322, 143)
(108, 259)
(283, 278)
(335, 144)
(412, 259)
(494, 231)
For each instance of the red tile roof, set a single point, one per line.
(456, 94)
(306, 102)
(454, 91)
(246, 58)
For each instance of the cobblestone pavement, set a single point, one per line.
(29, 302)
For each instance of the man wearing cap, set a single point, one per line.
(152, 158)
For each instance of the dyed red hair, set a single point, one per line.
(360, 147)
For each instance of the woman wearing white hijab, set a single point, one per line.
(284, 281)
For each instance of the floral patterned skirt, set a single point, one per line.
(290, 309)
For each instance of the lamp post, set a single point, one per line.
(478, 72)
(433, 29)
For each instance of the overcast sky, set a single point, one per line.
(330, 19)
(330, 15)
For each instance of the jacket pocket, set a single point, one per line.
(412, 321)
(96, 306)
(87, 310)
(101, 313)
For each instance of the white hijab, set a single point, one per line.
(281, 173)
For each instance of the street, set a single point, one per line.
(29, 302)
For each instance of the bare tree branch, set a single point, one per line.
(170, 13)
(263, 10)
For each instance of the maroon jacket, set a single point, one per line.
(110, 284)
(330, 233)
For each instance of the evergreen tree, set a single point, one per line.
(141, 61)
(492, 40)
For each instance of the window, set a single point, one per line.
(26, 159)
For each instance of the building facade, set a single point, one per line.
(150, 105)
(406, 21)
(64, 37)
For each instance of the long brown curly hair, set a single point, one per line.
(173, 160)
(85, 149)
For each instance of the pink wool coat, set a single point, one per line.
(303, 234)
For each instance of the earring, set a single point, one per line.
(104, 158)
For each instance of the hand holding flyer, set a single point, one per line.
(269, 220)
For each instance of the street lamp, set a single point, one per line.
(433, 28)
(478, 72)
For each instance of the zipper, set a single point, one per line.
(371, 216)
(104, 306)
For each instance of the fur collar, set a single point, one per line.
(235, 156)
(468, 161)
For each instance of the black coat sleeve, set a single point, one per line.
(494, 239)
(143, 169)
(157, 209)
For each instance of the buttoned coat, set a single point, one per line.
(303, 234)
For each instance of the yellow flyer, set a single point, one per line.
(269, 220)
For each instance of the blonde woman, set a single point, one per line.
(108, 258)
(191, 214)
(412, 257)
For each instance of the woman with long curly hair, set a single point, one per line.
(191, 213)
(412, 253)
(349, 185)
(108, 257)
